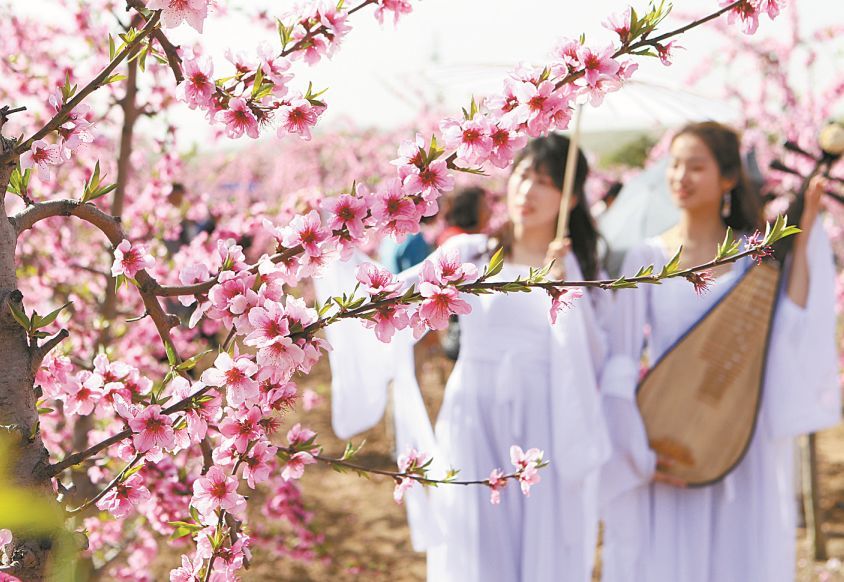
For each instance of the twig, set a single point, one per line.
(108, 487)
(60, 117)
(39, 352)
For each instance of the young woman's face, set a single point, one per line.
(533, 200)
(694, 178)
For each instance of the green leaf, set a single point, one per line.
(352, 450)
(496, 263)
(114, 79)
(119, 281)
(191, 362)
(645, 271)
(672, 265)
(132, 471)
(473, 109)
(728, 248)
(622, 283)
(111, 48)
(20, 316)
(171, 353)
(39, 322)
(256, 84)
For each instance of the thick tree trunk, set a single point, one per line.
(18, 414)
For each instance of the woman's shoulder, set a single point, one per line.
(469, 246)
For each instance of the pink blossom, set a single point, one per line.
(129, 259)
(700, 281)
(198, 87)
(428, 181)
(439, 304)
(241, 431)
(505, 144)
(597, 64)
(42, 155)
(754, 240)
(537, 105)
(397, 7)
(73, 135)
(124, 496)
(84, 393)
(259, 463)
(411, 153)
(238, 119)
(189, 275)
(562, 299)
(664, 52)
(189, 571)
(279, 359)
(232, 297)
(5, 538)
(747, 11)
(310, 400)
(298, 116)
(152, 429)
(307, 231)
(447, 267)
(295, 467)
(216, 490)
(526, 464)
(496, 482)
(268, 323)
(620, 23)
(387, 319)
(298, 436)
(393, 211)
(346, 211)
(412, 462)
(236, 376)
(377, 280)
(471, 139)
(174, 12)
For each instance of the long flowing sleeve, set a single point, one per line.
(802, 392)
(361, 366)
(579, 347)
(632, 462)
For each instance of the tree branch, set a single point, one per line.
(60, 117)
(41, 351)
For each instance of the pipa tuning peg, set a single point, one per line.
(793, 147)
(781, 167)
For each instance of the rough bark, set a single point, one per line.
(18, 412)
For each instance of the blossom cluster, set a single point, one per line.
(197, 442)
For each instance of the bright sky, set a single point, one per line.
(452, 49)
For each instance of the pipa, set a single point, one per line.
(699, 402)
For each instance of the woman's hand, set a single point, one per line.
(798, 278)
(663, 463)
(557, 251)
(812, 204)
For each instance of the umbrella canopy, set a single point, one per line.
(643, 209)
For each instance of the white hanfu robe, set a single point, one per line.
(518, 380)
(741, 529)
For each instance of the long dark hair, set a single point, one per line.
(745, 204)
(548, 155)
(463, 208)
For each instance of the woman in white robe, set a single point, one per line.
(518, 381)
(743, 528)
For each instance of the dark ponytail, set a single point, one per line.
(548, 155)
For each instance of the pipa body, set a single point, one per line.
(700, 401)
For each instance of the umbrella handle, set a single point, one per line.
(568, 177)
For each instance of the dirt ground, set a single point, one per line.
(366, 532)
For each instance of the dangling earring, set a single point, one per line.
(727, 204)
